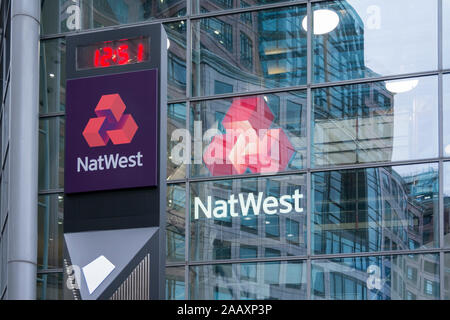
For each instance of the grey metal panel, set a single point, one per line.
(118, 246)
(136, 286)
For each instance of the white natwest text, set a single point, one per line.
(269, 205)
(111, 161)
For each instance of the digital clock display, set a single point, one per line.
(113, 53)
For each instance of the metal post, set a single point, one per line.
(22, 253)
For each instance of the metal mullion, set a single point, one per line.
(249, 260)
(376, 79)
(312, 170)
(175, 264)
(440, 34)
(50, 192)
(174, 101)
(52, 115)
(376, 254)
(249, 93)
(178, 181)
(309, 71)
(50, 271)
(218, 13)
(114, 27)
(187, 240)
(188, 144)
(316, 85)
(318, 257)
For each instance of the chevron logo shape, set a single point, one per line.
(110, 124)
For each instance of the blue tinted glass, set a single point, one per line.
(175, 285)
(369, 38)
(67, 15)
(271, 280)
(382, 278)
(231, 236)
(175, 228)
(268, 51)
(354, 212)
(276, 120)
(446, 33)
(378, 121)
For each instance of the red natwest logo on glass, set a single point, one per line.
(249, 142)
(110, 123)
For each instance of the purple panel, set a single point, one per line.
(112, 152)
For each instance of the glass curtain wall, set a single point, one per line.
(307, 145)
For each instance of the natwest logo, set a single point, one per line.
(249, 142)
(110, 123)
(112, 132)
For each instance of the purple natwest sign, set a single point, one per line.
(112, 132)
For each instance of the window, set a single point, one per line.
(349, 216)
(176, 70)
(222, 249)
(222, 87)
(246, 51)
(220, 31)
(247, 16)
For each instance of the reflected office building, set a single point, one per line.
(352, 100)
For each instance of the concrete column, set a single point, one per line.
(23, 149)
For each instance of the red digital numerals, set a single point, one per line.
(107, 56)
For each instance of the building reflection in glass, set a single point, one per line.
(397, 277)
(249, 281)
(375, 209)
(289, 114)
(254, 235)
(376, 38)
(176, 222)
(249, 51)
(363, 123)
(70, 15)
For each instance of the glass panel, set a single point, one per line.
(70, 15)
(257, 134)
(376, 278)
(249, 281)
(52, 82)
(446, 107)
(49, 286)
(447, 276)
(50, 231)
(175, 283)
(375, 209)
(229, 217)
(380, 121)
(51, 153)
(201, 6)
(269, 52)
(371, 38)
(176, 60)
(175, 229)
(176, 139)
(446, 195)
(446, 33)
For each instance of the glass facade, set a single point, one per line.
(308, 150)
